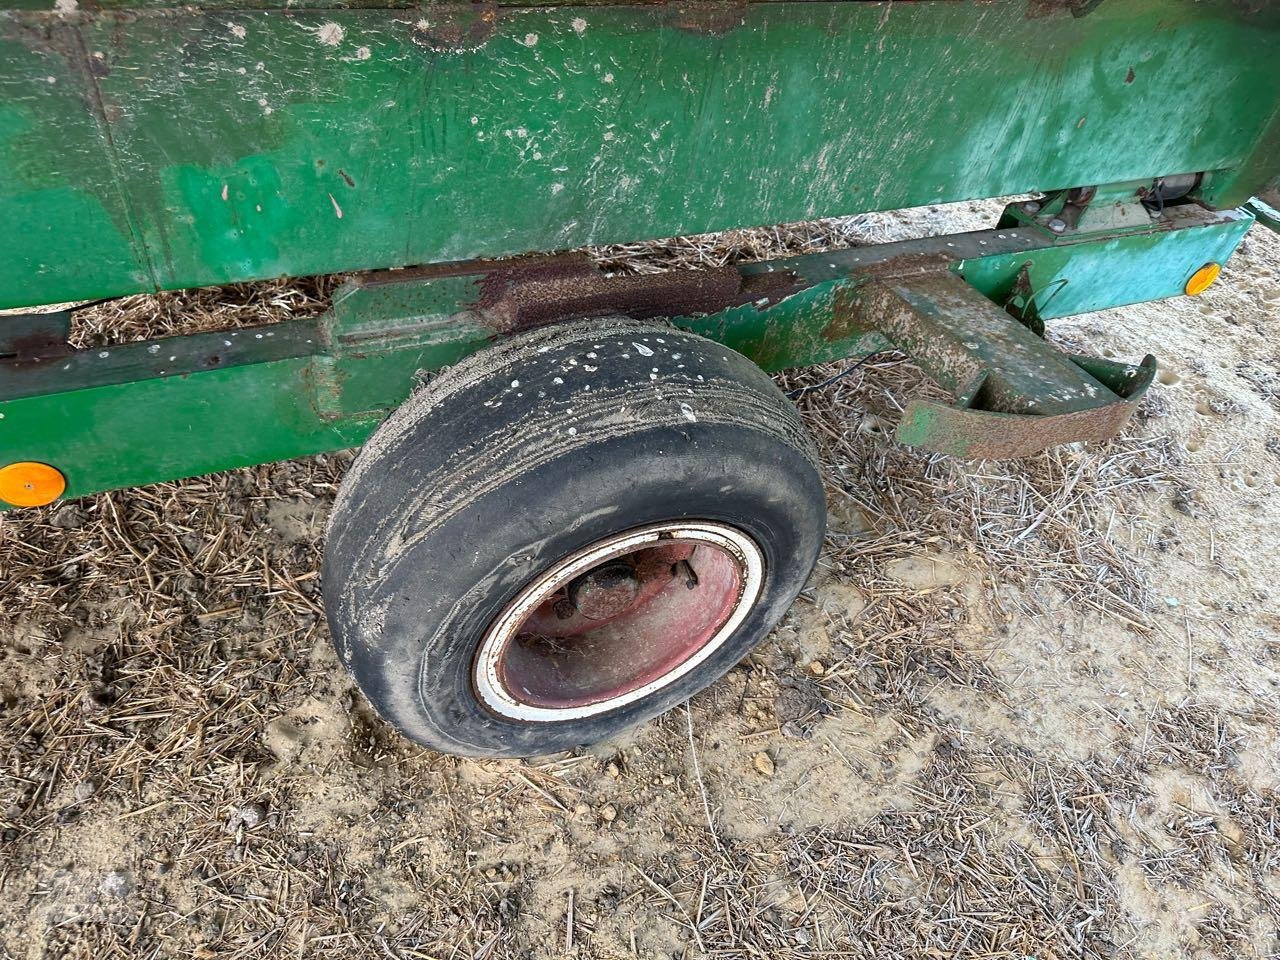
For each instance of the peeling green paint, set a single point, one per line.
(180, 147)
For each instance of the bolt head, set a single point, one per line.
(1058, 225)
(1031, 206)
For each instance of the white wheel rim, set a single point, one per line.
(496, 690)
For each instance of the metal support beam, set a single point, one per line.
(158, 410)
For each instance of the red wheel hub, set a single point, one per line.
(617, 621)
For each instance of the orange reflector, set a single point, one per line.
(1203, 279)
(30, 484)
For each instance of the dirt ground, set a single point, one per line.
(1024, 709)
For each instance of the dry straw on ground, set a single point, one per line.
(983, 731)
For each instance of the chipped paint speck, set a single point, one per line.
(330, 34)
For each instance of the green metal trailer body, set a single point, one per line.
(150, 148)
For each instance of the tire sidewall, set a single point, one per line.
(517, 531)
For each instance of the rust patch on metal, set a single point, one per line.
(991, 435)
(1015, 393)
(845, 320)
(1047, 8)
(452, 29)
(915, 265)
(28, 339)
(971, 432)
(712, 19)
(542, 290)
(846, 307)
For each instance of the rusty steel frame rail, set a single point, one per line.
(181, 406)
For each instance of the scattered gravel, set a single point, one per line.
(984, 731)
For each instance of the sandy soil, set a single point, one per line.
(1023, 710)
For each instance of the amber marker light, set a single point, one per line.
(30, 484)
(1203, 279)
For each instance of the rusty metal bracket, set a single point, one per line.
(1015, 393)
(991, 435)
(33, 337)
(520, 293)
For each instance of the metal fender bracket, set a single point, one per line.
(993, 435)
(1266, 207)
(1015, 393)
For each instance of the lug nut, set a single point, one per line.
(1058, 225)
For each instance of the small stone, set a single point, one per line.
(794, 731)
(68, 517)
(817, 668)
(608, 813)
(509, 908)
(581, 810)
(1171, 601)
(612, 770)
(117, 883)
(248, 815)
(763, 763)
(98, 697)
(86, 789)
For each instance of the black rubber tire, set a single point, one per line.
(525, 453)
